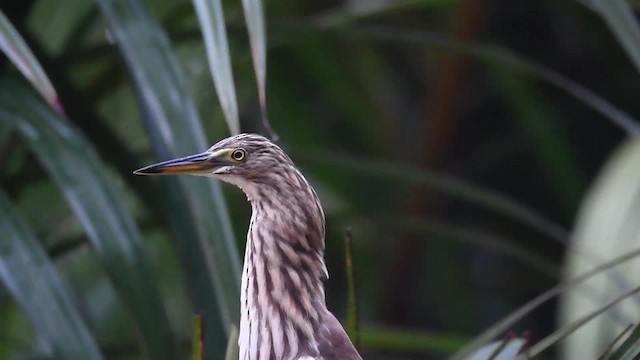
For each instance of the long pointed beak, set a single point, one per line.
(193, 164)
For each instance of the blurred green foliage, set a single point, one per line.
(459, 140)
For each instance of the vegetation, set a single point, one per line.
(484, 156)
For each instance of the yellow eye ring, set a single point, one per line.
(239, 154)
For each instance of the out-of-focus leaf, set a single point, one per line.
(18, 52)
(34, 283)
(196, 338)
(620, 18)
(233, 352)
(499, 350)
(254, 17)
(213, 28)
(607, 225)
(361, 10)
(470, 235)
(584, 320)
(540, 124)
(531, 305)
(196, 209)
(499, 56)
(485, 198)
(627, 337)
(409, 341)
(101, 209)
(630, 349)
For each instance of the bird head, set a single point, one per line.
(245, 160)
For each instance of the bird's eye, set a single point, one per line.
(239, 154)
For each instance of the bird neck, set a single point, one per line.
(282, 292)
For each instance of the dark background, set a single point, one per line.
(368, 106)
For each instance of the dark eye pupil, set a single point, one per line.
(238, 155)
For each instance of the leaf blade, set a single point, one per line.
(98, 204)
(619, 17)
(12, 44)
(196, 211)
(211, 17)
(33, 281)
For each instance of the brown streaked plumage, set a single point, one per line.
(283, 310)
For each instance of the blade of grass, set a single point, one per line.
(558, 335)
(609, 351)
(630, 349)
(32, 280)
(254, 17)
(631, 341)
(534, 303)
(99, 206)
(197, 213)
(12, 44)
(211, 17)
(622, 21)
(196, 338)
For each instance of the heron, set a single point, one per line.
(283, 310)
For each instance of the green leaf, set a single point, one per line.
(196, 338)
(357, 11)
(213, 28)
(486, 198)
(630, 348)
(607, 225)
(32, 280)
(254, 17)
(409, 341)
(196, 211)
(633, 348)
(623, 23)
(100, 207)
(567, 330)
(472, 235)
(540, 123)
(12, 44)
(499, 56)
(526, 309)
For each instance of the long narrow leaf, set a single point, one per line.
(536, 302)
(212, 23)
(99, 205)
(627, 337)
(565, 331)
(254, 17)
(620, 18)
(196, 210)
(498, 55)
(34, 283)
(409, 341)
(485, 198)
(12, 44)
